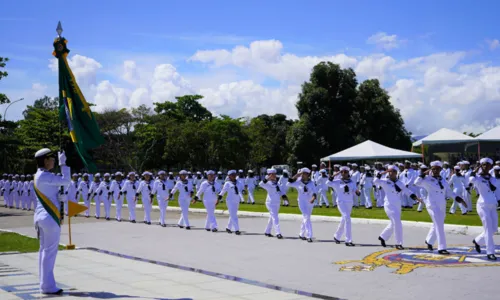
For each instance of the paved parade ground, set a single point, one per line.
(124, 260)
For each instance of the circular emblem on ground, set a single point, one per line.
(406, 261)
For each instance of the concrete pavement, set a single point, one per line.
(322, 267)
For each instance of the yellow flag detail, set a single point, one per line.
(75, 208)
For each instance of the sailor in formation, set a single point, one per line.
(116, 194)
(231, 187)
(457, 180)
(273, 199)
(128, 193)
(251, 183)
(83, 189)
(144, 190)
(104, 196)
(162, 193)
(209, 189)
(71, 192)
(185, 189)
(307, 196)
(283, 180)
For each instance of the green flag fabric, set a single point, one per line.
(73, 108)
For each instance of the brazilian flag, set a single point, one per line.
(73, 108)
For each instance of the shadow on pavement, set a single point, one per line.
(108, 295)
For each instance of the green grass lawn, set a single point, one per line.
(10, 241)
(374, 213)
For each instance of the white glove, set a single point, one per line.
(62, 158)
(267, 177)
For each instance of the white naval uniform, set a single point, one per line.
(407, 177)
(367, 183)
(32, 195)
(93, 193)
(458, 183)
(84, 190)
(436, 206)
(7, 194)
(128, 191)
(162, 193)
(489, 195)
(322, 187)
(241, 186)
(145, 188)
(380, 193)
(392, 207)
(467, 196)
(24, 195)
(273, 199)
(355, 177)
(251, 183)
(210, 191)
(345, 191)
(197, 182)
(115, 191)
(49, 231)
(103, 195)
(185, 189)
(71, 194)
(305, 193)
(17, 193)
(334, 194)
(284, 187)
(232, 203)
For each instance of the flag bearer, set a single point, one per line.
(115, 192)
(84, 189)
(145, 190)
(232, 201)
(210, 190)
(273, 199)
(128, 192)
(185, 189)
(49, 215)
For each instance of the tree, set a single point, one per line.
(3, 62)
(187, 108)
(471, 134)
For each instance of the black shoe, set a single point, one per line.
(309, 240)
(429, 246)
(477, 246)
(268, 234)
(133, 221)
(419, 211)
(119, 220)
(336, 241)
(369, 207)
(350, 244)
(107, 219)
(444, 252)
(207, 229)
(279, 236)
(59, 292)
(97, 218)
(163, 225)
(228, 230)
(492, 257)
(382, 242)
(327, 206)
(214, 230)
(149, 223)
(188, 227)
(464, 214)
(86, 216)
(237, 232)
(400, 247)
(253, 203)
(302, 238)
(180, 226)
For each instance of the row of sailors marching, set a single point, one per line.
(18, 191)
(407, 173)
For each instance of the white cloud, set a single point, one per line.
(384, 41)
(433, 91)
(84, 68)
(493, 44)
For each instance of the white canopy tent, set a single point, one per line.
(369, 150)
(445, 136)
(492, 135)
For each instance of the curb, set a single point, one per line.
(449, 228)
(6, 230)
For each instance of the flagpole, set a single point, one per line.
(70, 246)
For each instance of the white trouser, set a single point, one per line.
(251, 199)
(284, 188)
(355, 200)
(345, 209)
(106, 200)
(24, 201)
(273, 209)
(242, 200)
(119, 205)
(380, 199)
(32, 202)
(334, 198)
(323, 198)
(66, 205)
(184, 219)
(423, 195)
(367, 189)
(9, 199)
(468, 199)
(86, 202)
(453, 207)
(306, 209)
(17, 198)
(489, 218)
(405, 200)
(211, 221)
(131, 203)
(97, 200)
(163, 204)
(394, 214)
(49, 234)
(147, 205)
(232, 207)
(437, 211)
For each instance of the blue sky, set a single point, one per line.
(426, 54)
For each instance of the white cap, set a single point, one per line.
(392, 168)
(131, 173)
(250, 171)
(465, 162)
(306, 170)
(344, 168)
(43, 152)
(97, 175)
(183, 172)
(198, 173)
(271, 171)
(314, 166)
(240, 171)
(494, 168)
(210, 172)
(498, 162)
(170, 173)
(162, 172)
(106, 175)
(189, 172)
(219, 173)
(74, 175)
(354, 165)
(486, 160)
(422, 166)
(118, 173)
(85, 174)
(231, 172)
(445, 163)
(146, 173)
(367, 168)
(322, 171)
(456, 168)
(436, 163)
